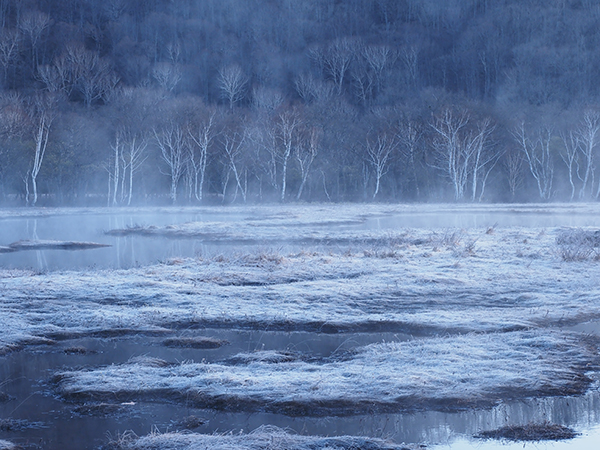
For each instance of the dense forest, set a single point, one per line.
(119, 102)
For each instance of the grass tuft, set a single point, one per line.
(577, 244)
(265, 437)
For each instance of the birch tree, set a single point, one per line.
(42, 113)
(379, 150)
(538, 156)
(513, 166)
(460, 151)
(233, 143)
(202, 135)
(286, 129)
(569, 155)
(306, 154)
(135, 145)
(261, 134)
(409, 135)
(588, 135)
(115, 175)
(171, 141)
(483, 160)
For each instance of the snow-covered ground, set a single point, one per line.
(487, 302)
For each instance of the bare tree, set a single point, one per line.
(409, 135)
(33, 24)
(363, 81)
(266, 99)
(286, 129)
(233, 145)
(379, 59)
(58, 76)
(306, 153)
(232, 83)
(202, 134)
(311, 89)
(569, 155)
(410, 60)
(42, 113)
(171, 141)
(14, 123)
(379, 149)
(460, 151)
(135, 145)
(483, 160)
(335, 59)
(513, 164)
(87, 72)
(588, 136)
(167, 75)
(538, 156)
(261, 134)
(116, 168)
(9, 50)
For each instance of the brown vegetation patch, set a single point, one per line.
(53, 245)
(77, 350)
(191, 422)
(531, 432)
(195, 342)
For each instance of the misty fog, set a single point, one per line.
(124, 102)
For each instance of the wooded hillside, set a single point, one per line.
(140, 101)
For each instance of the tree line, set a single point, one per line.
(122, 102)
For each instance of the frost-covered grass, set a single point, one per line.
(486, 301)
(419, 281)
(578, 244)
(6, 445)
(435, 373)
(263, 438)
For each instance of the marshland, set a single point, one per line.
(300, 326)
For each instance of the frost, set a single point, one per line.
(263, 438)
(435, 373)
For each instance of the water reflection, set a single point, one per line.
(24, 377)
(132, 251)
(125, 252)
